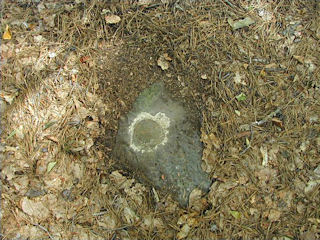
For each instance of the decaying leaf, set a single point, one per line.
(34, 208)
(52, 138)
(184, 231)
(195, 201)
(7, 35)
(264, 152)
(240, 23)
(274, 215)
(300, 59)
(163, 61)
(312, 184)
(204, 76)
(277, 122)
(238, 79)
(129, 215)
(112, 19)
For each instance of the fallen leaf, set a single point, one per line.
(238, 79)
(184, 231)
(214, 140)
(130, 215)
(204, 76)
(9, 96)
(107, 221)
(84, 59)
(271, 65)
(241, 97)
(300, 59)
(34, 208)
(264, 152)
(163, 62)
(240, 23)
(7, 35)
(194, 198)
(112, 19)
(237, 112)
(274, 215)
(144, 2)
(235, 214)
(52, 138)
(50, 166)
(277, 122)
(312, 184)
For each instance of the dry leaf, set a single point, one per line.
(204, 76)
(107, 221)
(277, 122)
(184, 231)
(240, 23)
(163, 62)
(52, 138)
(215, 141)
(34, 208)
(300, 59)
(274, 215)
(112, 19)
(264, 152)
(271, 65)
(195, 201)
(144, 2)
(129, 215)
(84, 59)
(7, 35)
(238, 79)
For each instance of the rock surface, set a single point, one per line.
(159, 141)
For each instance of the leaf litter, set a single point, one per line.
(70, 71)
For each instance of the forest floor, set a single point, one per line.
(71, 69)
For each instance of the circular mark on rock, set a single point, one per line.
(147, 132)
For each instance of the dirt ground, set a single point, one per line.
(71, 69)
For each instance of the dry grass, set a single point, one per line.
(72, 76)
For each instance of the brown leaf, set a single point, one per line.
(163, 62)
(34, 208)
(274, 215)
(184, 231)
(84, 59)
(52, 138)
(277, 122)
(300, 59)
(112, 19)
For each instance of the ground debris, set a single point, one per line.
(71, 70)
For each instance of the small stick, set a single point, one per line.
(259, 123)
(44, 229)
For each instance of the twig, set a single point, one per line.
(116, 229)
(259, 123)
(249, 145)
(267, 118)
(100, 213)
(44, 229)
(69, 50)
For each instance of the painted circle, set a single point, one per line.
(147, 134)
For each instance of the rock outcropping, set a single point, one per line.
(159, 141)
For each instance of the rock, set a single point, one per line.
(160, 141)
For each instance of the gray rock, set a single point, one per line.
(160, 141)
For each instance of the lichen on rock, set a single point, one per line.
(161, 141)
